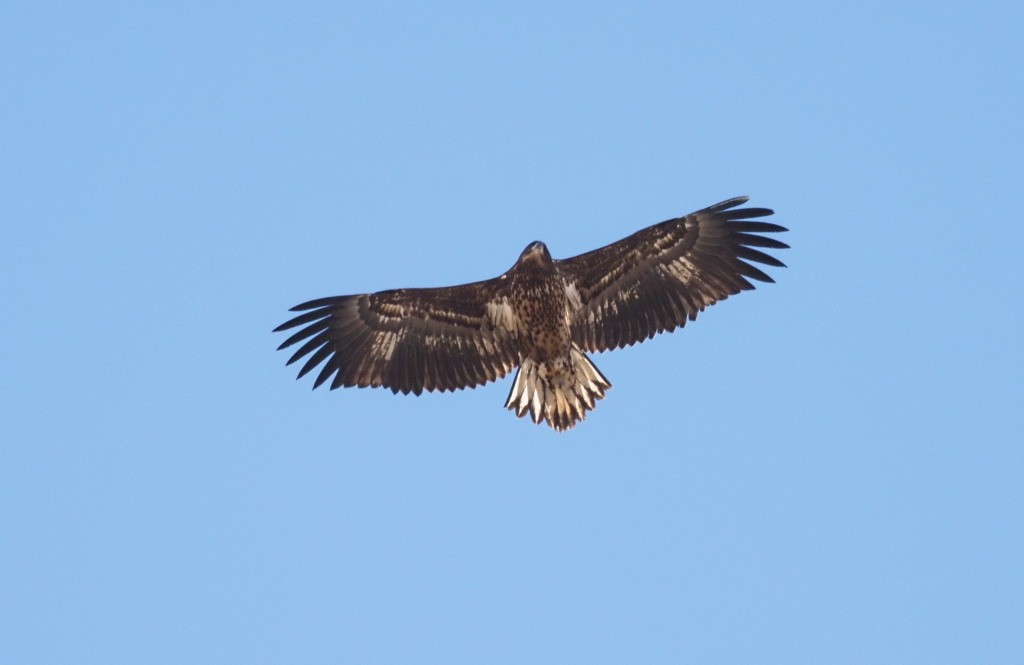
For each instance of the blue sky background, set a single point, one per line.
(828, 469)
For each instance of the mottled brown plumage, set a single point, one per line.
(542, 315)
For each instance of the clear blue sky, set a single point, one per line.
(829, 469)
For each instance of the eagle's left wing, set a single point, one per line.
(657, 278)
(408, 340)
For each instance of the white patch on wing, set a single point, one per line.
(573, 302)
(683, 270)
(384, 345)
(573, 296)
(501, 315)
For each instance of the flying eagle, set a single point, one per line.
(542, 316)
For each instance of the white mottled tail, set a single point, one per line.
(559, 391)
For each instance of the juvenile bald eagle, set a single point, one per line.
(542, 315)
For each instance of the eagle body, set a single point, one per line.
(542, 315)
(555, 381)
(539, 299)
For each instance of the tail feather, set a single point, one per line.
(559, 392)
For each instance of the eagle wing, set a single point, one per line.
(408, 340)
(657, 278)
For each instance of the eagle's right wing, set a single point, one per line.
(658, 278)
(408, 340)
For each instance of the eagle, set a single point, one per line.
(542, 315)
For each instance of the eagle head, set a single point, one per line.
(536, 252)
